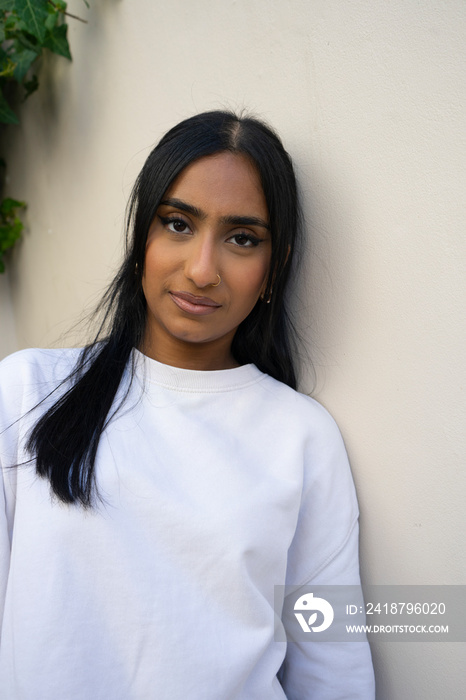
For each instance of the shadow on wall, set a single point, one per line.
(328, 253)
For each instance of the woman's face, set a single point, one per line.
(211, 225)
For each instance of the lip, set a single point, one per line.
(192, 304)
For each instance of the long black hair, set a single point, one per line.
(64, 441)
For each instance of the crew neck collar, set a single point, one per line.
(193, 380)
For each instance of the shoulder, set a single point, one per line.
(27, 376)
(300, 410)
(326, 528)
(311, 436)
(40, 364)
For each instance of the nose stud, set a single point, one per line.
(219, 280)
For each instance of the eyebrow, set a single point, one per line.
(230, 219)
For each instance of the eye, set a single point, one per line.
(175, 224)
(244, 240)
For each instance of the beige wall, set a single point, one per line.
(369, 97)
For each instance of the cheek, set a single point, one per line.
(262, 272)
(156, 263)
(152, 276)
(252, 281)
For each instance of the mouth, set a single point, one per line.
(192, 304)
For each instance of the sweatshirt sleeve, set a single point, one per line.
(324, 551)
(26, 378)
(10, 411)
(4, 549)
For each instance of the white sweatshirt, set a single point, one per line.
(214, 487)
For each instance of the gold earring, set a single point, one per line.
(269, 298)
(219, 280)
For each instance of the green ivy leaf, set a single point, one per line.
(27, 41)
(57, 42)
(7, 68)
(8, 206)
(7, 116)
(7, 5)
(3, 59)
(26, 27)
(33, 13)
(52, 19)
(11, 226)
(30, 86)
(23, 59)
(10, 23)
(9, 234)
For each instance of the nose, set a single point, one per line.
(201, 266)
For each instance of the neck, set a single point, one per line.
(198, 356)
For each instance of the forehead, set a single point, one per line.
(224, 183)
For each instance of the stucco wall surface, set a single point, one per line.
(369, 98)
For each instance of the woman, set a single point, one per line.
(182, 476)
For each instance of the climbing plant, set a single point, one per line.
(27, 29)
